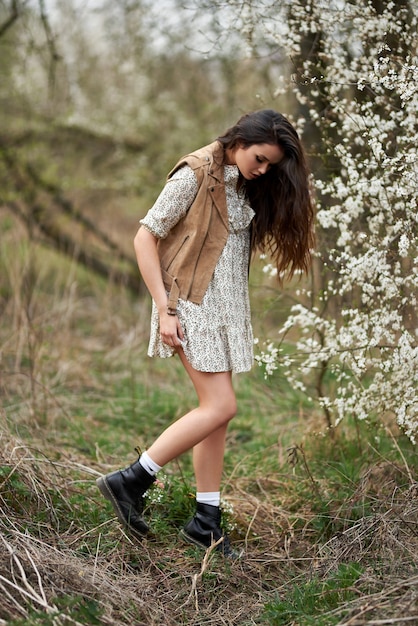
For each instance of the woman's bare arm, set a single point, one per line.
(145, 244)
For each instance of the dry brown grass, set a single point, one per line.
(48, 551)
(164, 584)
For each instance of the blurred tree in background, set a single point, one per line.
(98, 100)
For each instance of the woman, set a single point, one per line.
(247, 190)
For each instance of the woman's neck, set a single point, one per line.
(230, 157)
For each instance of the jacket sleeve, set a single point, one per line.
(172, 204)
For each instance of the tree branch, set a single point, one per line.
(62, 242)
(9, 21)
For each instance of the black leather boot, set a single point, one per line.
(125, 490)
(204, 529)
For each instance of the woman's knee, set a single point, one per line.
(232, 408)
(216, 394)
(224, 408)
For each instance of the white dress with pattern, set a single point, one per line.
(218, 333)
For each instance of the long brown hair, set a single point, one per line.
(283, 225)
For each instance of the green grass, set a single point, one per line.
(66, 610)
(311, 603)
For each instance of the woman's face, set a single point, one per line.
(255, 160)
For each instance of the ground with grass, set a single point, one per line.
(327, 520)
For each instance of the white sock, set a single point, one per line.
(209, 497)
(148, 464)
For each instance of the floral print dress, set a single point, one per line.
(218, 334)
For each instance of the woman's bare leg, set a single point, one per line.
(203, 429)
(208, 461)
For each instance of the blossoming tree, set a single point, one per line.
(356, 81)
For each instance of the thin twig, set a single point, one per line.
(95, 558)
(197, 577)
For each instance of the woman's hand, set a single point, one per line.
(171, 331)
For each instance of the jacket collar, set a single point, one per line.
(213, 154)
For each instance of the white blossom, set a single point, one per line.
(361, 326)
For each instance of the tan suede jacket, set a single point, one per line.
(189, 253)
